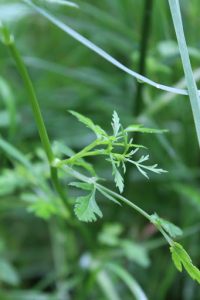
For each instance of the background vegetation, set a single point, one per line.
(44, 253)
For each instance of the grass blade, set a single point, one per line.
(101, 52)
(134, 287)
(106, 285)
(191, 84)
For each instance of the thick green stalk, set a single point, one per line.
(8, 40)
(191, 84)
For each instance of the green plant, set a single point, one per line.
(117, 148)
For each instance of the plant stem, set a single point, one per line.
(78, 155)
(125, 200)
(145, 34)
(9, 42)
(102, 189)
(138, 99)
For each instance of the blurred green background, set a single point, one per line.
(42, 253)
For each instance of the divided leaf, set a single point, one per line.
(140, 128)
(119, 181)
(181, 259)
(169, 227)
(86, 208)
(89, 123)
(142, 168)
(115, 123)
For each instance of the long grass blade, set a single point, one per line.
(191, 84)
(131, 283)
(103, 53)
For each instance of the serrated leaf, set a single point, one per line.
(141, 167)
(115, 123)
(169, 227)
(86, 208)
(89, 123)
(82, 185)
(176, 261)
(181, 259)
(119, 181)
(140, 128)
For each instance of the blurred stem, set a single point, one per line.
(145, 34)
(8, 40)
(138, 100)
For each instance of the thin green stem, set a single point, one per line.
(9, 42)
(78, 155)
(102, 189)
(99, 187)
(125, 200)
(32, 97)
(86, 152)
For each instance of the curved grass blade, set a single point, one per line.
(103, 53)
(131, 283)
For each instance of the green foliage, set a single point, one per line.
(140, 128)
(46, 252)
(136, 253)
(44, 207)
(111, 236)
(107, 145)
(86, 208)
(181, 259)
(89, 123)
(115, 124)
(131, 283)
(169, 227)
